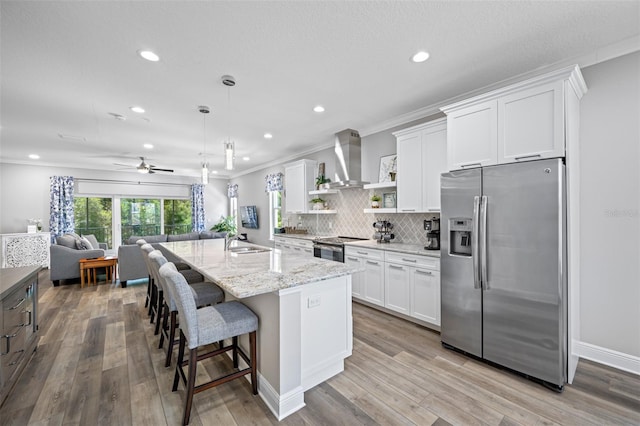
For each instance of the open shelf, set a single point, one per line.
(321, 212)
(323, 191)
(381, 210)
(380, 185)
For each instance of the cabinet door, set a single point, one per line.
(357, 278)
(373, 282)
(425, 300)
(472, 136)
(296, 198)
(409, 179)
(531, 124)
(397, 290)
(434, 146)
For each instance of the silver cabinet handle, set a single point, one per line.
(372, 263)
(395, 267)
(352, 258)
(471, 165)
(418, 271)
(408, 210)
(19, 303)
(363, 252)
(483, 242)
(524, 157)
(474, 243)
(409, 260)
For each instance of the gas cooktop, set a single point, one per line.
(338, 240)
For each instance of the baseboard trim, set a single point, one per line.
(609, 357)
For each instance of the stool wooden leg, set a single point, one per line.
(171, 338)
(159, 307)
(191, 384)
(254, 362)
(234, 344)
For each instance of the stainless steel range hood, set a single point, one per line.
(348, 168)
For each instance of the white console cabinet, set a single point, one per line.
(25, 249)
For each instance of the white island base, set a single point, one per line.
(304, 335)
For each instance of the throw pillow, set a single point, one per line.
(83, 244)
(93, 240)
(66, 240)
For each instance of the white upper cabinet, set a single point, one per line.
(422, 157)
(522, 122)
(299, 180)
(472, 134)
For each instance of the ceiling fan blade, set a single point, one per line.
(124, 165)
(161, 170)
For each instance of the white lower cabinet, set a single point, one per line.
(404, 283)
(369, 284)
(294, 244)
(397, 291)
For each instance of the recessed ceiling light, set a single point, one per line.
(148, 145)
(137, 109)
(246, 158)
(420, 56)
(149, 55)
(34, 156)
(215, 172)
(318, 108)
(72, 137)
(268, 135)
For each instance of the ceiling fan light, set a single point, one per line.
(143, 170)
(228, 155)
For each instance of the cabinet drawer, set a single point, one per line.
(11, 360)
(413, 260)
(366, 253)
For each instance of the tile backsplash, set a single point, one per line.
(350, 219)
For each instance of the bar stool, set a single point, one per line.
(205, 293)
(204, 326)
(140, 243)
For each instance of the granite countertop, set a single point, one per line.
(311, 237)
(396, 247)
(251, 274)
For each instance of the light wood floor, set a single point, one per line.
(97, 363)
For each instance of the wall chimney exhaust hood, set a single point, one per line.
(348, 170)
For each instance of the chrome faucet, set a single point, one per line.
(228, 240)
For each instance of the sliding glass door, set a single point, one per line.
(93, 215)
(139, 217)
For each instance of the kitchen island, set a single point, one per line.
(304, 309)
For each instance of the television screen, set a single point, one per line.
(249, 217)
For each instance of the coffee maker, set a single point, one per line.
(432, 226)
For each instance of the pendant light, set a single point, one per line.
(205, 166)
(229, 145)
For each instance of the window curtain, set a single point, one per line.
(61, 218)
(273, 182)
(232, 190)
(197, 207)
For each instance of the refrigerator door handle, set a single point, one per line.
(484, 277)
(475, 254)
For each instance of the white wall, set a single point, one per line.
(610, 205)
(24, 192)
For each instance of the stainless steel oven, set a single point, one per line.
(332, 248)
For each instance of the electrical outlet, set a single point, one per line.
(330, 225)
(313, 301)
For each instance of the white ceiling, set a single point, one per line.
(66, 65)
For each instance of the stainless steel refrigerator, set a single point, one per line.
(503, 266)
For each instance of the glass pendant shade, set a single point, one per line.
(229, 155)
(205, 174)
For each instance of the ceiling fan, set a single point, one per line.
(144, 167)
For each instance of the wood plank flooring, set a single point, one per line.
(98, 363)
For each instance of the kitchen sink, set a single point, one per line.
(247, 250)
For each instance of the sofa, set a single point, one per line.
(67, 250)
(131, 264)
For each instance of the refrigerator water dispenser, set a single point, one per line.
(460, 236)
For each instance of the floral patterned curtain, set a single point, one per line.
(232, 190)
(197, 207)
(273, 182)
(61, 217)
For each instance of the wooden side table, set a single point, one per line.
(89, 267)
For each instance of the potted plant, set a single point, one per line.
(320, 180)
(226, 224)
(318, 203)
(375, 201)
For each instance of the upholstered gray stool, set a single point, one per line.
(204, 293)
(204, 326)
(140, 243)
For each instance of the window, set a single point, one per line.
(177, 217)
(275, 211)
(93, 215)
(140, 217)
